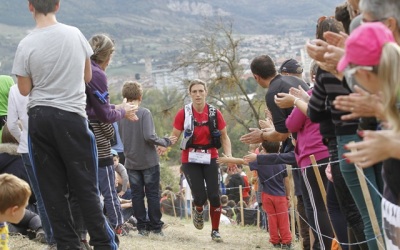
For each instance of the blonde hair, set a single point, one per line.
(13, 192)
(389, 74)
(7, 137)
(103, 47)
(132, 91)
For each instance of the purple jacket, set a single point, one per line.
(103, 112)
(309, 139)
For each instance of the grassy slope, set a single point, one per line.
(181, 234)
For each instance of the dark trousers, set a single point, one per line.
(338, 219)
(146, 183)
(317, 214)
(40, 205)
(64, 155)
(196, 174)
(345, 199)
(111, 200)
(304, 228)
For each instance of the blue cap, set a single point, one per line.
(113, 152)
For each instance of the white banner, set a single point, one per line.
(391, 224)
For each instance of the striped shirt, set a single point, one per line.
(321, 107)
(103, 133)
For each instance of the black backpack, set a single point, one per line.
(212, 123)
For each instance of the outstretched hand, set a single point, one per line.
(333, 56)
(316, 49)
(299, 93)
(268, 114)
(173, 139)
(253, 137)
(250, 157)
(336, 39)
(224, 159)
(284, 100)
(130, 110)
(161, 150)
(359, 104)
(376, 146)
(267, 123)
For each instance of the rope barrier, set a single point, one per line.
(294, 169)
(361, 172)
(298, 214)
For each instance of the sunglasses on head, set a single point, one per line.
(323, 18)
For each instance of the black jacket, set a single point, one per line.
(232, 188)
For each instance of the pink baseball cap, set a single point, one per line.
(364, 45)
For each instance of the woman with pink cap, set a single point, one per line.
(372, 61)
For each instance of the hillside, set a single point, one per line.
(152, 27)
(252, 16)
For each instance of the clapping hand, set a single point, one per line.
(316, 49)
(161, 150)
(130, 110)
(299, 93)
(173, 139)
(250, 157)
(284, 100)
(359, 104)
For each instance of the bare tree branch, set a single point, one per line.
(214, 52)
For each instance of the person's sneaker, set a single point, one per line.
(126, 228)
(198, 220)
(85, 245)
(158, 233)
(277, 245)
(132, 220)
(215, 236)
(118, 230)
(287, 246)
(40, 236)
(143, 232)
(51, 247)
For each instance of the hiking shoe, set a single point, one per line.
(277, 245)
(287, 246)
(215, 236)
(143, 232)
(198, 220)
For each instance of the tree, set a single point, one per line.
(214, 52)
(164, 104)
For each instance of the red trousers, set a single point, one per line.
(276, 208)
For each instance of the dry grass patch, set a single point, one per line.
(181, 234)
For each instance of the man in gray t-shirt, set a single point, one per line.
(52, 65)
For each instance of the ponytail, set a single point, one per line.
(389, 73)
